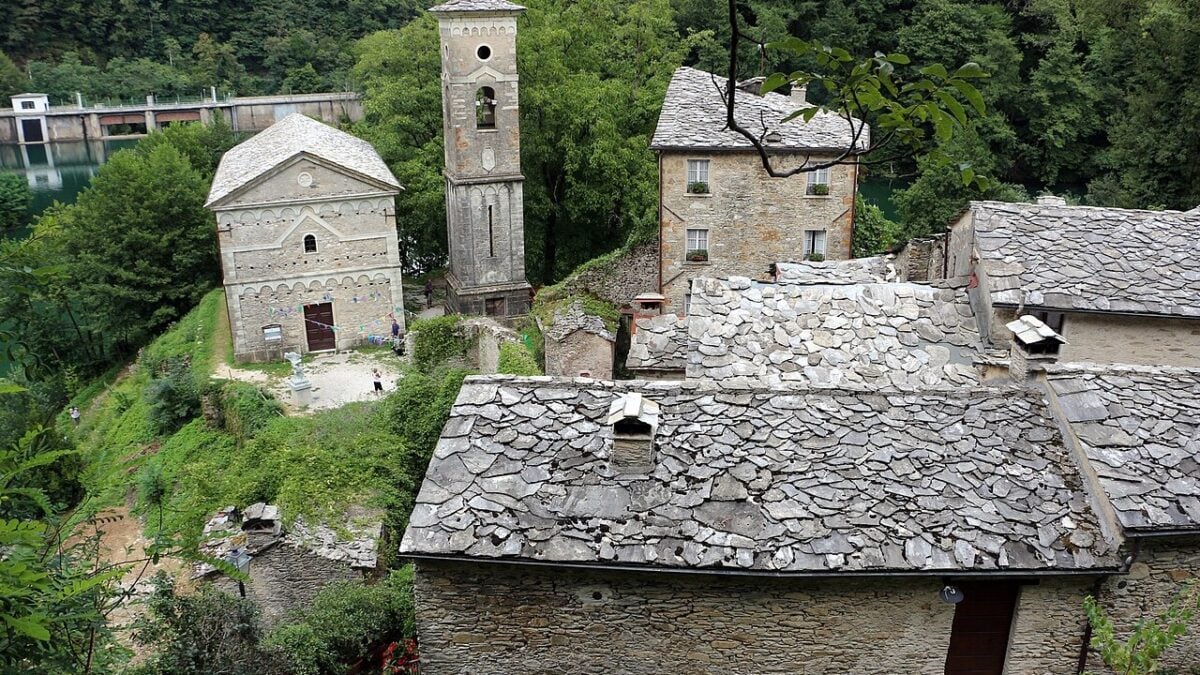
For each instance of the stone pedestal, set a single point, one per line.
(301, 391)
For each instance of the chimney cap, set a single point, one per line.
(1029, 331)
(1051, 200)
(632, 405)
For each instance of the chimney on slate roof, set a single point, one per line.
(1034, 346)
(752, 85)
(800, 94)
(1051, 200)
(646, 305)
(634, 422)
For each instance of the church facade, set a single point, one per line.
(306, 228)
(484, 184)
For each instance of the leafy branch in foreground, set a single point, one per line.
(1141, 652)
(907, 109)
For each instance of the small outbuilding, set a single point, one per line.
(579, 344)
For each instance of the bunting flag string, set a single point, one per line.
(289, 311)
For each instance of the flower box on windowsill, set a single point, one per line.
(697, 188)
(818, 190)
(697, 256)
(815, 257)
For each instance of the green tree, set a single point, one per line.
(140, 243)
(12, 81)
(215, 64)
(15, 199)
(873, 232)
(303, 80)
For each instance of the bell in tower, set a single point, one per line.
(480, 121)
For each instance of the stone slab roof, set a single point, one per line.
(875, 269)
(881, 336)
(1140, 427)
(1090, 258)
(476, 6)
(693, 116)
(660, 343)
(290, 137)
(776, 481)
(573, 318)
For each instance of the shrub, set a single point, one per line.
(344, 621)
(821, 189)
(437, 342)
(515, 359)
(174, 398)
(247, 409)
(816, 257)
(698, 188)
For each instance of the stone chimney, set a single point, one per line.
(800, 94)
(634, 421)
(1051, 200)
(1034, 345)
(645, 306)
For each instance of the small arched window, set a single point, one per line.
(485, 108)
(310, 243)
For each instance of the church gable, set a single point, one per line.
(302, 179)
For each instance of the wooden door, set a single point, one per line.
(318, 326)
(979, 637)
(33, 131)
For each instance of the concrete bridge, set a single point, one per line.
(33, 120)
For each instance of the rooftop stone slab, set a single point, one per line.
(875, 269)
(1090, 258)
(772, 481)
(880, 336)
(660, 343)
(1140, 428)
(693, 116)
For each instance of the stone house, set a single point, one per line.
(574, 525)
(306, 228)
(720, 214)
(578, 344)
(1121, 285)
(290, 565)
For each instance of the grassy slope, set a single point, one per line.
(313, 466)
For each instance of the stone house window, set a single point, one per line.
(697, 176)
(273, 333)
(28, 105)
(687, 300)
(485, 108)
(814, 244)
(697, 245)
(310, 243)
(818, 182)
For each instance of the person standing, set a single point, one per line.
(75, 415)
(377, 379)
(429, 292)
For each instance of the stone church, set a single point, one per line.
(484, 192)
(307, 235)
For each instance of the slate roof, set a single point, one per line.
(1140, 428)
(660, 343)
(1090, 258)
(291, 136)
(476, 6)
(693, 116)
(774, 481)
(881, 336)
(875, 269)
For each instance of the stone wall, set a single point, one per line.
(1048, 628)
(285, 578)
(620, 279)
(485, 336)
(579, 352)
(497, 618)
(753, 220)
(1113, 338)
(1162, 566)
(922, 259)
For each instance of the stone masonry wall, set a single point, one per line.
(1114, 338)
(753, 220)
(580, 352)
(286, 578)
(1048, 627)
(620, 280)
(1162, 567)
(497, 618)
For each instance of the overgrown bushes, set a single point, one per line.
(515, 359)
(436, 342)
(246, 409)
(174, 397)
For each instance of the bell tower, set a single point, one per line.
(480, 122)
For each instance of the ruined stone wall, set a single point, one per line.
(1162, 567)
(286, 578)
(1114, 338)
(922, 259)
(753, 220)
(496, 618)
(619, 280)
(580, 352)
(485, 336)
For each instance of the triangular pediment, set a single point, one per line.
(236, 196)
